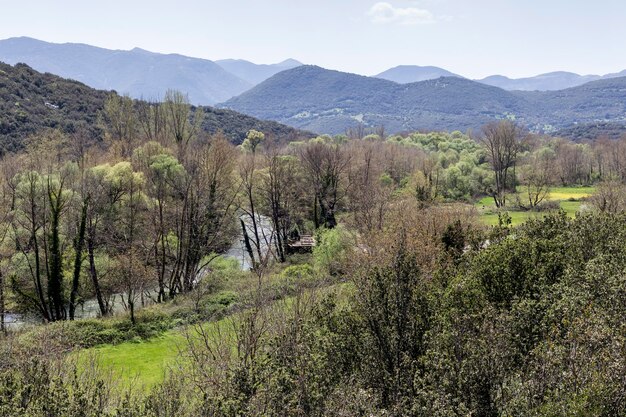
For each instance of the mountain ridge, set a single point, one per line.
(255, 73)
(327, 101)
(145, 74)
(137, 72)
(550, 81)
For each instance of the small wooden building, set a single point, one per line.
(304, 244)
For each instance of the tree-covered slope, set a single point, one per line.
(327, 101)
(602, 100)
(31, 101)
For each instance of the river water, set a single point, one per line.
(266, 235)
(90, 308)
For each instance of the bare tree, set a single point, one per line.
(325, 165)
(501, 141)
(121, 123)
(205, 216)
(251, 229)
(152, 121)
(356, 132)
(369, 189)
(536, 176)
(610, 196)
(280, 187)
(182, 126)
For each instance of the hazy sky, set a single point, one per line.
(474, 38)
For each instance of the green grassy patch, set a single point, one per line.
(570, 193)
(145, 362)
(517, 217)
(569, 199)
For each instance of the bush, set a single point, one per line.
(548, 205)
(331, 250)
(294, 277)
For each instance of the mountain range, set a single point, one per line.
(325, 101)
(144, 74)
(321, 100)
(31, 102)
(140, 73)
(255, 73)
(552, 81)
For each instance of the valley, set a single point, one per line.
(312, 209)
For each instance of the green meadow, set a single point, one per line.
(570, 200)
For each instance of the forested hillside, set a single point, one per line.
(327, 101)
(31, 102)
(330, 102)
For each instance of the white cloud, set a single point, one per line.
(383, 13)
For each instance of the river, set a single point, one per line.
(90, 308)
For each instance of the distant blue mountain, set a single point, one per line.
(405, 74)
(552, 81)
(544, 82)
(255, 73)
(139, 73)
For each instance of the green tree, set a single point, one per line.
(253, 139)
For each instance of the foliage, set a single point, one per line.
(31, 102)
(333, 246)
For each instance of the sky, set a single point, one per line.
(473, 38)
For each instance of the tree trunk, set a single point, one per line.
(55, 278)
(94, 276)
(279, 237)
(131, 306)
(162, 261)
(43, 305)
(3, 329)
(246, 241)
(316, 221)
(79, 243)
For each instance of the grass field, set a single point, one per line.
(569, 198)
(146, 362)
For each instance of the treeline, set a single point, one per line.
(424, 311)
(144, 214)
(503, 160)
